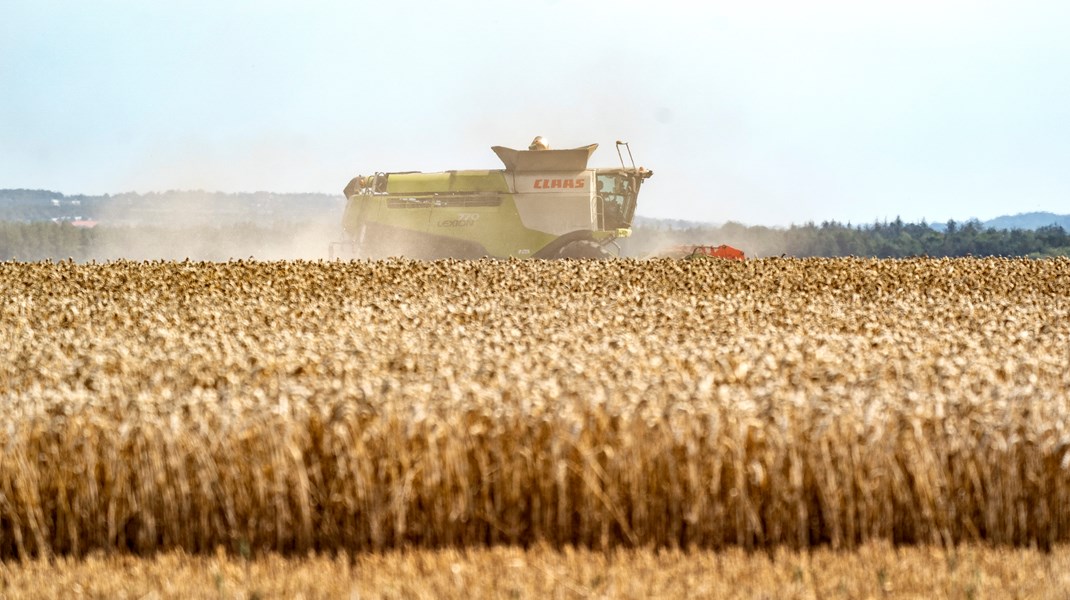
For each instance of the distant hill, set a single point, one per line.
(1032, 221)
(1024, 221)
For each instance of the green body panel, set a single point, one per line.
(479, 209)
(449, 181)
(498, 229)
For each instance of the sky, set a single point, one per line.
(768, 112)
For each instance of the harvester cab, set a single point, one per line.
(545, 203)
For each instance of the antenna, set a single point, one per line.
(621, 156)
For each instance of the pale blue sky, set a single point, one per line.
(766, 112)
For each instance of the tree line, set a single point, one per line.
(894, 239)
(48, 240)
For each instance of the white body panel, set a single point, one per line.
(557, 202)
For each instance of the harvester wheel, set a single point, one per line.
(583, 249)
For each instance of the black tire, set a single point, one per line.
(583, 250)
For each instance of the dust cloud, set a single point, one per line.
(178, 225)
(309, 241)
(651, 237)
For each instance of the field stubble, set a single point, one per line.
(298, 406)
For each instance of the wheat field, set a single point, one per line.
(346, 407)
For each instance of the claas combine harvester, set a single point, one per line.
(544, 204)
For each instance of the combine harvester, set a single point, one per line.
(544, 204)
